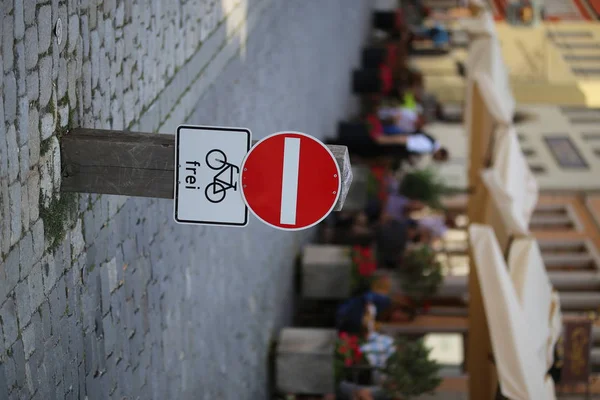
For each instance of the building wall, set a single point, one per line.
(561, 144)
(551, 63)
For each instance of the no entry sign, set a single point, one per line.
(290, 181)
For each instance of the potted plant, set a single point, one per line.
(426, 186)
(420, 274)
(364, 265)
(409, 372)
(347, 355)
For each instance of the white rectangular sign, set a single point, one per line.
(207, 167)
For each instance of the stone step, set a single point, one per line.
(549, 221)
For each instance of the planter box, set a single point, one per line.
(304, 361)
(326, 272)
(356, 200)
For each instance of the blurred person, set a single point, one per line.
(416, 144)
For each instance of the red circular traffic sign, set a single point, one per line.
(290, 180)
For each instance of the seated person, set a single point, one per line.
(436, 34)
(391, 239)
(416, 144)
(400, 120)
(432, 227)
(350, 314)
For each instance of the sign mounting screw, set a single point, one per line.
(58, 31)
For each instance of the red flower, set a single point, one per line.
(343, 335)
(353, 340)
(343, 349)
(367, 268)
(348, 362)
(426, 306)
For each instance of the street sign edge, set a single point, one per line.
(176, 173)
(337, 167)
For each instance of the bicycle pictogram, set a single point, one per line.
(224, 180)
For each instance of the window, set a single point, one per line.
(565, 152)
(528, 152)
(577, 46)
(586, 71)
(590, 136)
(570, 34)
(587, 57)
(537, 169)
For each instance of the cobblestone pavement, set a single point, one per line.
(104, 296)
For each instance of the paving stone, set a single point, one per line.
(73, 32)
(3, 144)
(95, 57)
(31, 47)
(72, 82)
(45, 28)
(23, 121)
(24, 207)
(26, 256)
(47, 126)
(49, 272)
(33, 191)
(37, 232)
(13, 156)
(29, 344)
(29, 12)
(33, 86)
(8, 38)
(61, 86)
(20, 70)
(19, 358)
(46, 319)
(10, 97)
(15, 212)
(62, 14)
(19, 21)
(36, 286)
(45, 73)
(24, 309)
(9, 322)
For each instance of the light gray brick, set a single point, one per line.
(29, 348)
(61, 86)
(8, 38)
(8, 313)
(72, 82)
(10, 97)
(23, 301)
(19, 21)
(24, 162)
(33, 190)
(36, 286)
(39, 240)
(49, 275)
(26, 256)
(33, 85)
(5, 212)
(47, 126)
(29, 11)
(45, 72)
(63, 114)
(31, 47)
(13, 156)
(34, 135)
(73, 32)
(62, 14)
(95, 57)
(20, 69)
(24, 207)
(45, 28)
(3, 144)
(15, 212)
(87, 85)
(23, 121)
